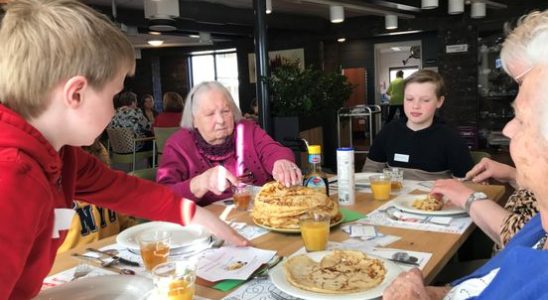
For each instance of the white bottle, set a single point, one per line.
(345, 176)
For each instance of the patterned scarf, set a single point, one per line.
(214, 153)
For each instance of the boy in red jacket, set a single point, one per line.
(61, 64)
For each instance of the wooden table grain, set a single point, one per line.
(442, 245)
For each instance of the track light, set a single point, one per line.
(336, 13)
(205, 37)
(478, 10)
(390, 22)
(455, 7)
(429, 4)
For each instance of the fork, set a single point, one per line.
(81, 271)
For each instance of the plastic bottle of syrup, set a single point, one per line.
(315, 178)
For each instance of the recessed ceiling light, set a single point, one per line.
(341, 40)
(194, 36)
(155, 43)
(154, 33)
(396, 49)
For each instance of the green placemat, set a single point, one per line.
(227, 285)
(350, 215)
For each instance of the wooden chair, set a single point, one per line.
(124, 147)
(162, 134)
(478, 155)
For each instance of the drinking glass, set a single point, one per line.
(242, 195)
(174, 280)
(315, 230)
(396, 178)
(154, 246)
(381, 187)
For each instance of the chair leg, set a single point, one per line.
(133, 165)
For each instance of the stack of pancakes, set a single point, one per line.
(280, 207)
(339, 272)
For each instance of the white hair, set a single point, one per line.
(527, 45)
(196, 96)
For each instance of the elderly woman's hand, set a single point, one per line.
(287, 173)
(455, 191)
(215, 180)
(488, 168)
(408, 285)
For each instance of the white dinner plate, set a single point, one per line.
(405, 203)
(181, 236)
(278, 279)
(118, 287)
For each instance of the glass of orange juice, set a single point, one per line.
(243, 196)
(174, 280)
(154, 246)
(315, 230)
(381, 185)
(396, 177)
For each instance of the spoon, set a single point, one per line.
(109, 265)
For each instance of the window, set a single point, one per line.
(219, 65)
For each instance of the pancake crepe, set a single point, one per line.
(428, 203)
(280, 207)
(340, 272)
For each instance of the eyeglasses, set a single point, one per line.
(519, 77)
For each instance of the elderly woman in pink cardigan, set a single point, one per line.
(215, 145)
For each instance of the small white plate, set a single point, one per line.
(119, 287)
(181, 236)
(405, 203)
(278, 279)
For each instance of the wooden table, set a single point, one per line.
(442, 245)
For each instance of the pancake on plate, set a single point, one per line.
(428, 203)
(339, 272)
(280, 207)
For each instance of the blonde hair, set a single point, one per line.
(44, 42)
(527, 43)
(173, 102)
(423, 76)
(196, 96)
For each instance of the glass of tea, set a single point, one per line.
(174, 280)
(396, 178)
(154, 246)
(243, 196)
(315, 230)
(381, 186)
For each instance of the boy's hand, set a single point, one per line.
(218, 228)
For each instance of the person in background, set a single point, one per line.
(173, 111)
(395, 91)
(215, 145)
(129, 116)
(254, 111)
(92, 223)
(518, 271)
(422, 146)
(147, 107)
(56, 94)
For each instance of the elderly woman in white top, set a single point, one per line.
(519, 271)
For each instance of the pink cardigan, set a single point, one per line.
(181, 160)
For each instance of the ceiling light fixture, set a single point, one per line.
(390, 22)
(336, 13)
(341, 40)
(478, 10)
(155, 43)
(154, 33)
(455, 7)
(268, 7)
(429, 4)
(205, 37)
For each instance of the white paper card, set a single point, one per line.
(62, 220)
(232, 263)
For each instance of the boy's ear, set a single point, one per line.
(74, 91)
(440, 102)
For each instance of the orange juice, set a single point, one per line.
(154, 254)
(179, 289)
(315, 234)
(242, 201)
(381, 189)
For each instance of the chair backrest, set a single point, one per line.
(148, 174)
(162, 134)
(121, 139)
(478, 155)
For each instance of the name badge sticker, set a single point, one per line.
(401, 157)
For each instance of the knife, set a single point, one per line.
(401, 261)
(116, 257)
